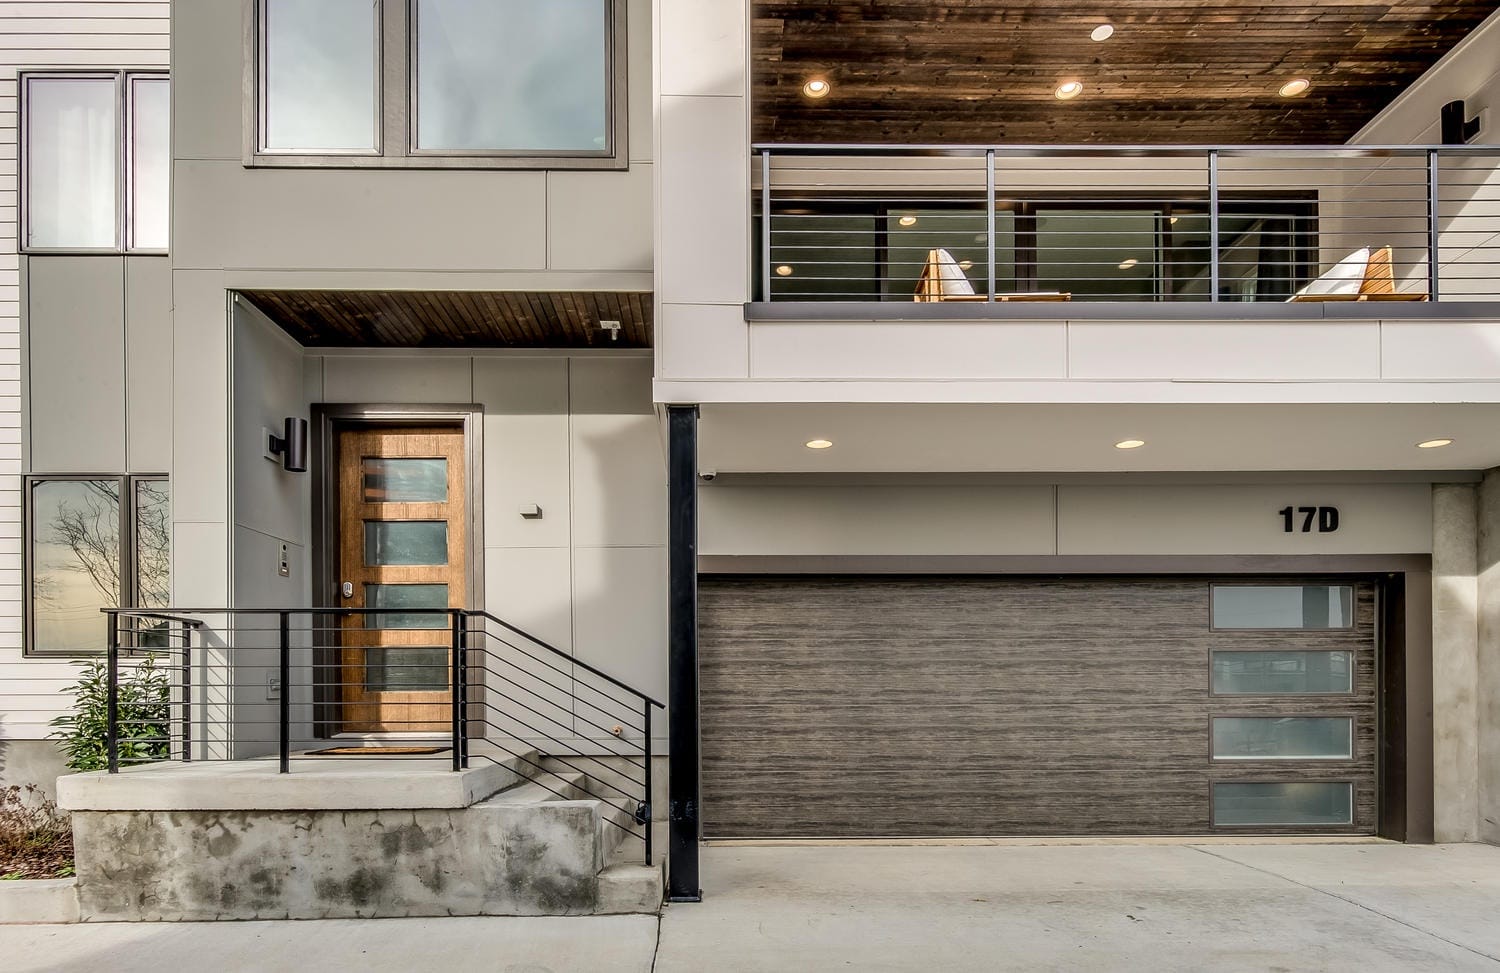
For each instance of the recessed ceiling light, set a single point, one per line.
(1130, 444)
(907, 221)
(1434, 443)
(1176, 218)
(966, 265)
(1068, 90)
(1103, 32)
(1295, 87)
(785, 270)
(818, 443)
(816, 88)
(1128, 262)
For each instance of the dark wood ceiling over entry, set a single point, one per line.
(979, 71)
(458, 319)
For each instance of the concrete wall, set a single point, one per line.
(1487, 667)
(105, 34)
(1455, 662)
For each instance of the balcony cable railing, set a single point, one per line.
(1191, 223)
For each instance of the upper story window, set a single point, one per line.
(439, 83)
(95, 151)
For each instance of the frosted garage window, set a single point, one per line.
(1283, 606)
(1290, 804)
(527, 76)
(1283, 738)
(319, 74)
(1282, 673)
(72, 147)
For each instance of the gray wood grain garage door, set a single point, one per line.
(884, 706)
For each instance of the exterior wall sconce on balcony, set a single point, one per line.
(1458, 127)
(291, 445)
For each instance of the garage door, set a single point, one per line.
(881, 706)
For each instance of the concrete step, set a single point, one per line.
(544, 787)
(630, 887)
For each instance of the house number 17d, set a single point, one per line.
(1305, 519)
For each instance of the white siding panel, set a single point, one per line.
(35, 35)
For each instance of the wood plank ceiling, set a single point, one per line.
(458, 319)
(1175, 71)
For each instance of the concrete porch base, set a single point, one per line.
(353, 838)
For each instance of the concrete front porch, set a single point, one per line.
(517, 833)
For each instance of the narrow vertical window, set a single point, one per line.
(150, 152)
(320, 75)
(524, 76)
(71, 151)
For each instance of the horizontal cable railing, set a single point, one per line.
(1213, 224)
(446, 687)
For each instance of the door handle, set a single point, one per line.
(347, 589)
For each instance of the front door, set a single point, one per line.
(402, 549)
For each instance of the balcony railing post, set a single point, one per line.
(1213, 224)
(285, 704)
(765, 224)
(989, 226)
(1433, 229)
(112, 697)
(454, 694)
(646, 747)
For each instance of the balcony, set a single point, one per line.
(874, 233)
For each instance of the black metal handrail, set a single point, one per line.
(515, 672)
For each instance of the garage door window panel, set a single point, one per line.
(1289, 804)
(1283, 673)
(1282, 607)
(1283, 738)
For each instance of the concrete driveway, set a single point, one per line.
(1145, 906)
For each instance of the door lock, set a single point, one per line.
(347, 589)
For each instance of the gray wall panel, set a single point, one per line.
(76, 323)
(148, 364)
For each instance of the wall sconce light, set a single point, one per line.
(1457, 127)
(291, 445)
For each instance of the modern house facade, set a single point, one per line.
(526, 396)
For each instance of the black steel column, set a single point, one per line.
(682, 653)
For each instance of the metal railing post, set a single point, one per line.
(1213, 224)
(456, 681)
(1434, 231)
(463, 695)
(765, 224)
(112, 698)
(646, 745)
(285, 736)
(989, 225)
(187, 693)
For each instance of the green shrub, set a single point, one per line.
(143, 716)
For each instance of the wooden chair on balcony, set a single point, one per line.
(944, 280)
(1361, 276)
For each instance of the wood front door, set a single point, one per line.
(402, 548)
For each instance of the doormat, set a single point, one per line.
(376, 751)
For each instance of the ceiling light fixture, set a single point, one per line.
(816, 88)
(1128, 262)
(1434, 443)
(1068, 90)
(1102, 33)
(907, 221)
(784, 270)
(818, 443)
(1295, 87)
(1130, 444)
(966, 265)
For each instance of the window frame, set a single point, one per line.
(124, 156)
(395, 106)
(128, 564)
(1353, 586)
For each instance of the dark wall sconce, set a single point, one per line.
(1458, 128)
(291, 445)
